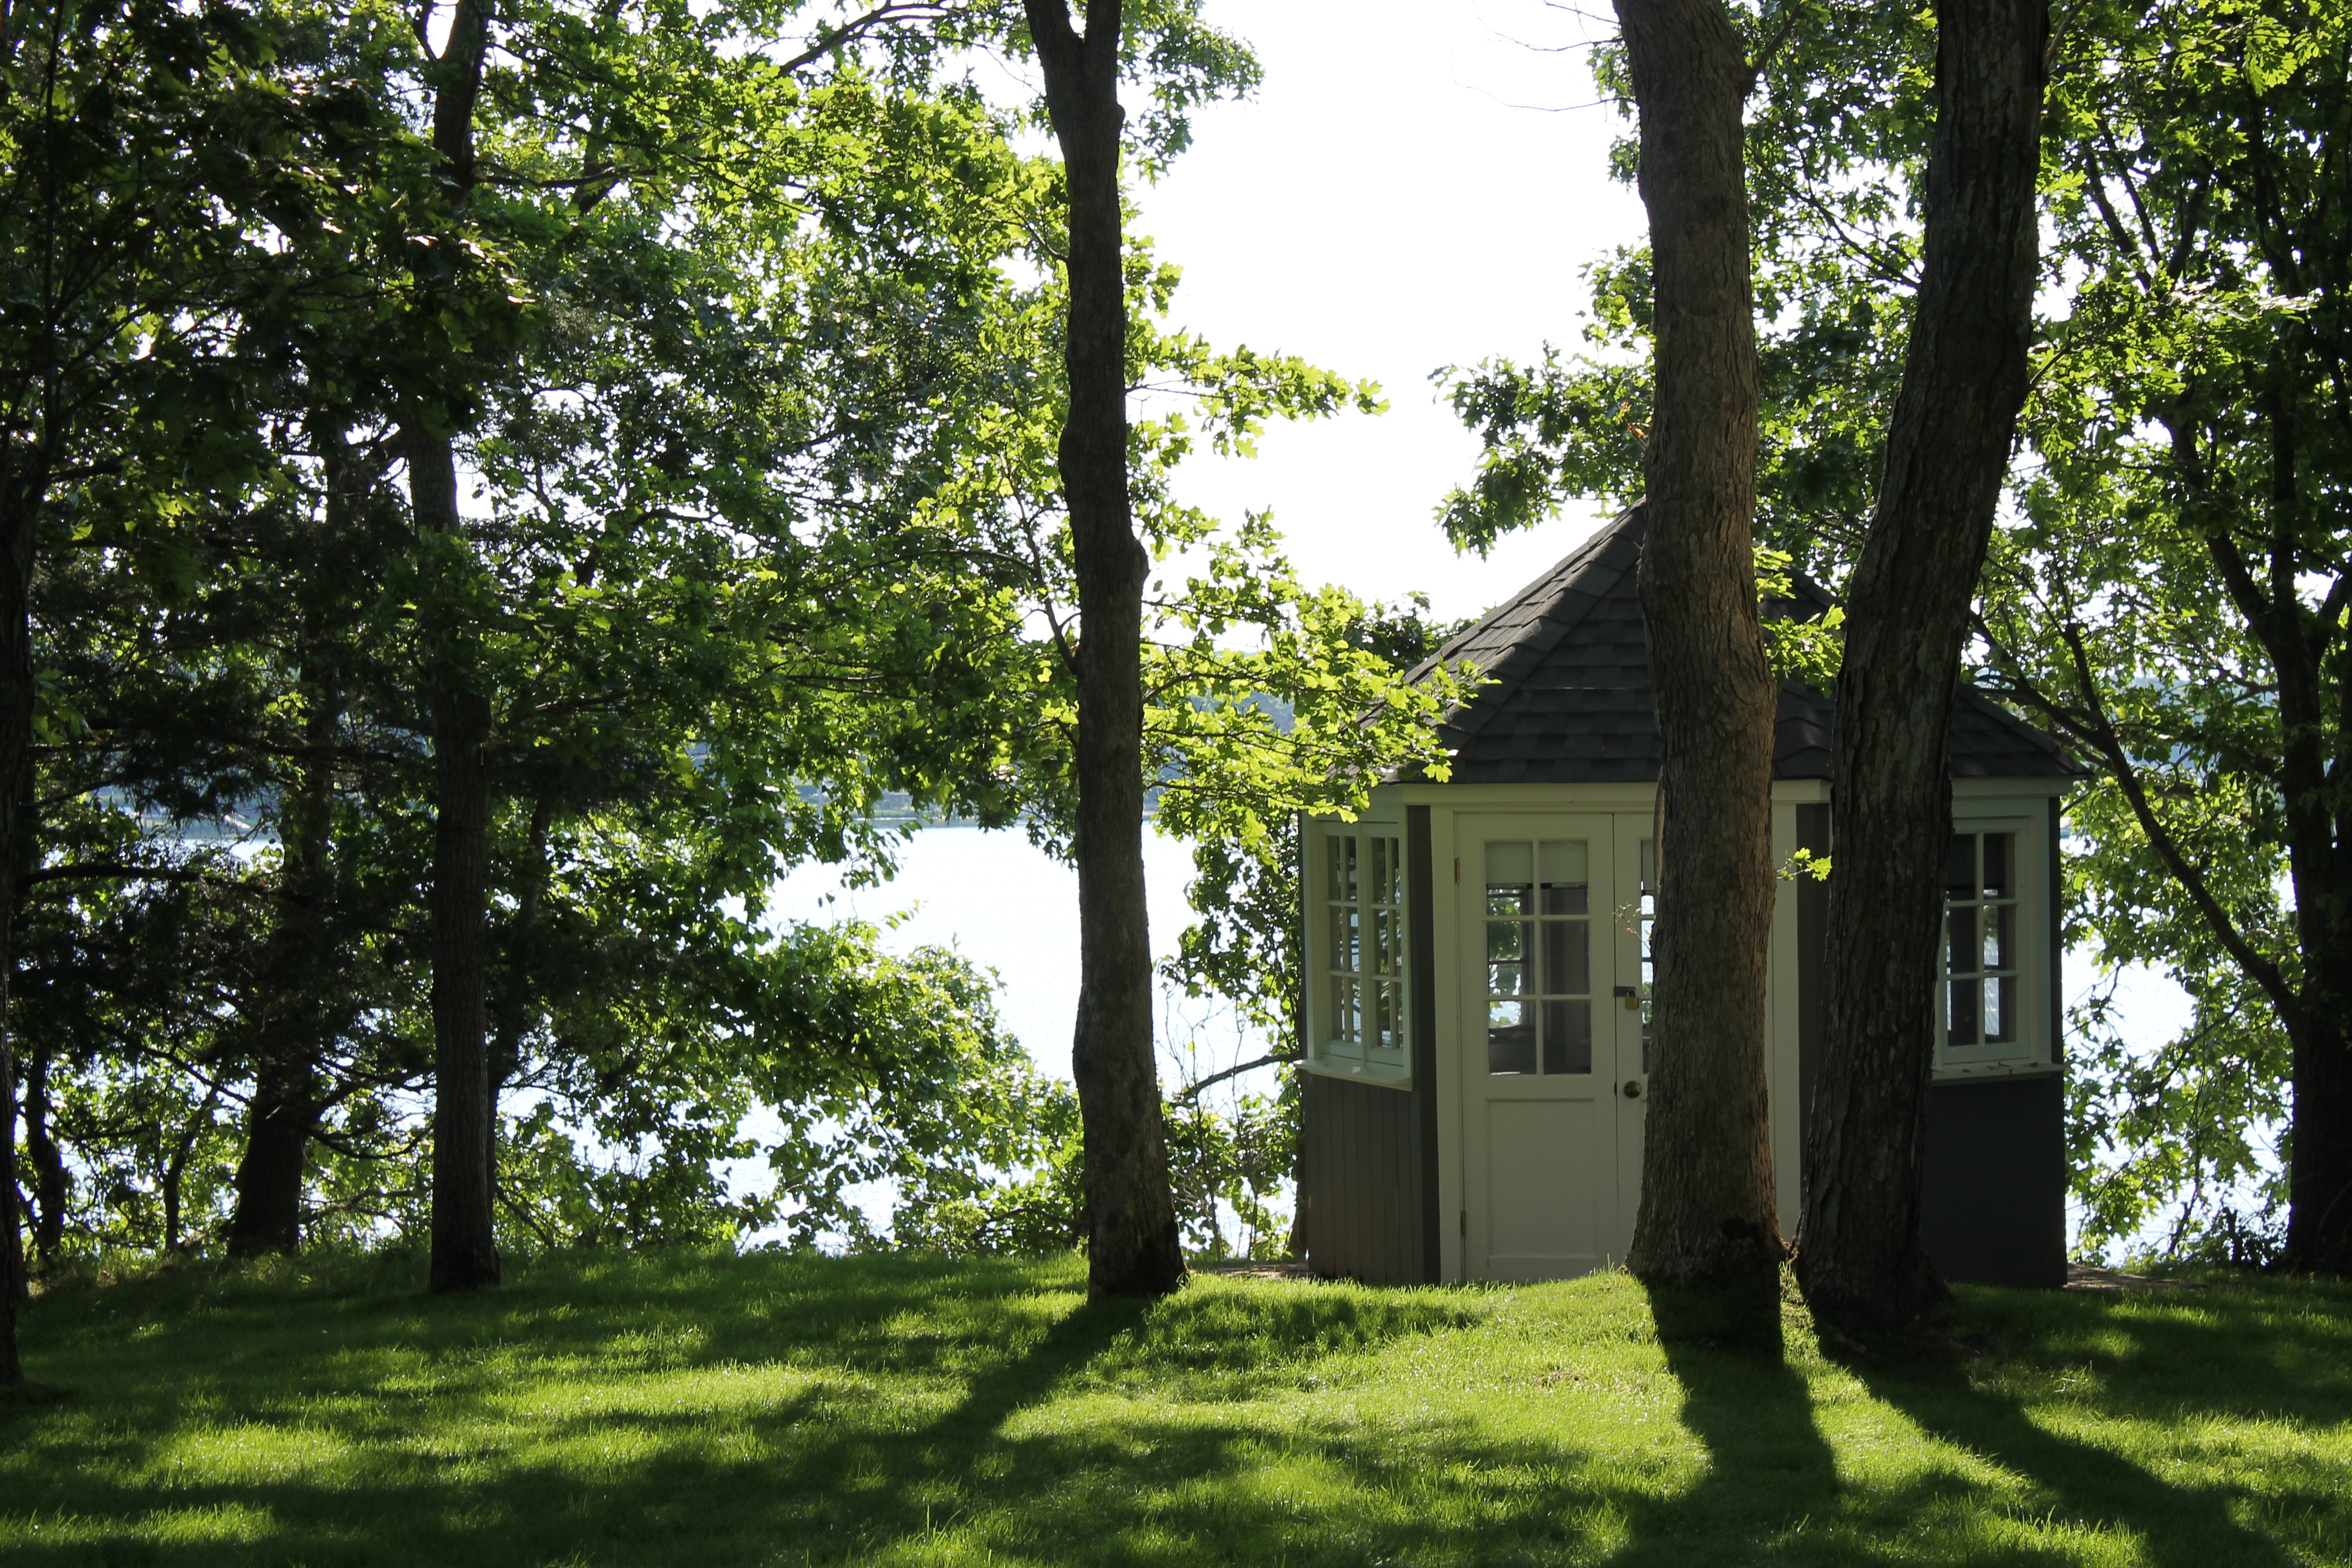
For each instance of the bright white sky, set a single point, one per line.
(1415, 186)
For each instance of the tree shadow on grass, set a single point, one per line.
(2178, 1525)
(1768, 1467)
(839, 1455)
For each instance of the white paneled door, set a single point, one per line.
(1553, 921)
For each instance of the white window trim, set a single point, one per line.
(2032, 1053)
(1325, 1054)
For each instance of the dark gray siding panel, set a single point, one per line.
(1361, 1181)
(1994, 1207)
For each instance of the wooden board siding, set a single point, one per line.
(1360, 1179)
(1993, 1211)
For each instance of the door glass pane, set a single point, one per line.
(1510, 865)
(1567, 958)
(1646, 918)
(1506, 979)
(1510, 1038)
(1565, 861)
(1502, 942)
(1568, 1036)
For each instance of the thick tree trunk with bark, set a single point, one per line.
(1948, 450)
(268, 1213)
(2319, 1173)
(464, 1247)
(464, 1107)
(1708, 1213)
(1132, 1243)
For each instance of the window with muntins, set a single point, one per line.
(1364, 950)
(1983, 990)
(1539, 968)
(1645, 922)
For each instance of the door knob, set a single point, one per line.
(1632, 1088)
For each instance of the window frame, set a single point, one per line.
(2031, 1050)
(1537, 985)
(1327, 1050)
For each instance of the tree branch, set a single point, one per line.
(1192, 1092)
(2259, 969)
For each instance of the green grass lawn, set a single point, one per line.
(696, 1410)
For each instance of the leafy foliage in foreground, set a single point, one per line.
(701, 1409)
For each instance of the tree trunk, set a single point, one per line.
(1948, 447)
(1706, 1214)
(465, 1107)
(50, 1179)
(268, 1213)
(2319, 1164)
(514, 1014)
(1132, 1243)
(2318, 828)
(16, 699)
(291, 1024)
(176, 1168)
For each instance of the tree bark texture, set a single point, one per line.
(1132, 1243)
(292, 1025)
(513, 1013)
(17, 695)
(1948, 450)
(1706, 1214)
(464, 1246)
(464, 1107)
(2312, 687)
(51, 1180)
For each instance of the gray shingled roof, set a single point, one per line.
(1570, 700)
